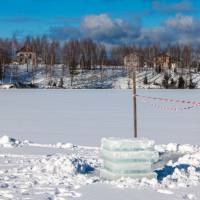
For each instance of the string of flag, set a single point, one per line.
(170, 108)
(194, 103)
(149, 99)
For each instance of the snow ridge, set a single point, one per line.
(8, 142)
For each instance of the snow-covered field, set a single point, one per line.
(52, 151)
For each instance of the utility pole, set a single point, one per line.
(132, 61)
(134, 103)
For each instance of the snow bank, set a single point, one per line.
(178, 148)
(8, 142)
(45, 177)
(58, 145)
(7, 86)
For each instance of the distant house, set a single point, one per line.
(163, 61)
(26, 56)
(175, 63)
(134, 60)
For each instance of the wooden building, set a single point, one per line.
(163, 61)
(134, 60)
(26, 56)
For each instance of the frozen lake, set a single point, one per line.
(83, 117)
(41, 170)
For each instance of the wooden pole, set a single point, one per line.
(134, 104)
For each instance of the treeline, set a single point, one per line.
(73, 52)
(87, 54)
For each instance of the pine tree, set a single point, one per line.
(145, 81)
(165, 81)
(192, 85)
(181, 83)
(61, 83)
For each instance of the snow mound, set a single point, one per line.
(189, 196)
(8, 142)
(58, 145)
(62, 166)
(81, 166)
(177, 148)
(7, 86)
(182, 173)
(59, 176)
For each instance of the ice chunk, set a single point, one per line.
(117, 144)
(125, 168)
(108, 175)
(130, 156)
(127, 158)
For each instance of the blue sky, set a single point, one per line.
(109, 21)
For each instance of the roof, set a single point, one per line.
(163, 55)
(135, 53)
(25, 49)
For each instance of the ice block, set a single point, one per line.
(131, 158)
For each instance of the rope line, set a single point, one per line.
(170, 108)
(194, 103)
(149, 99)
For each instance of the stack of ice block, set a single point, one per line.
(127, 158)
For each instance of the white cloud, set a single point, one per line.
(93, 22)
(181, 22)
(102, 27)
(180, 29)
